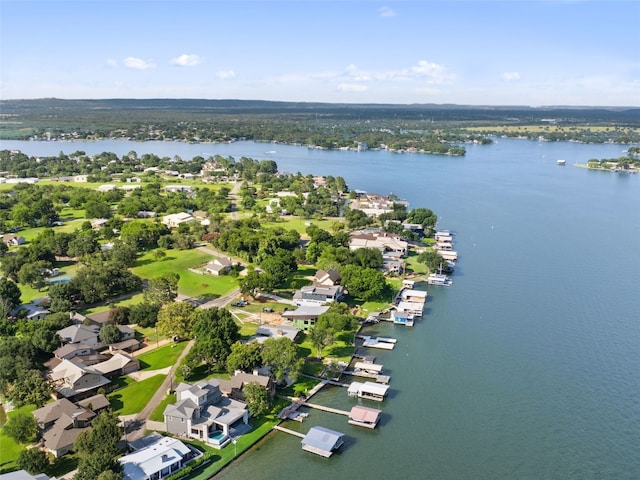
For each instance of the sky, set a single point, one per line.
(474, 52)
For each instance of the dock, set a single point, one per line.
(290, 432)
(326, 409)
(377, 342)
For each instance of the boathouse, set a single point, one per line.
(322, 441)
(370, 390)
(364, 416)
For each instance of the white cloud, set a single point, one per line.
(352, 87)
(138, 63)
(186, 60)
(510, 76)
(224, 74)
(386, 12)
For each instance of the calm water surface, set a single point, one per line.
(528, 367)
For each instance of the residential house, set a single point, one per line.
(31, 311)
(202, 412)
(81, 178)
(314, 295)
(275, 331)
(385, 242)
(75, 381)
(24, 475)
(233, 388)
(47, 415)
(72, 350)
(107, 188)
(326, 278)
(119, 364)
(13, 240)
(175, 219)
(87, 334)
(305, 316)
(159, 458)
(178, 188)
(218, 266)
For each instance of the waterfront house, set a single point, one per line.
(364, 416)
(305, 316)
(159, 458)
(322, 441)
(202, 412)
(385, 242)
(370, 390)
(233, 388)
(274, 331)
(314, 295)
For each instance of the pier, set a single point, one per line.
(326, 409)
(290, 432)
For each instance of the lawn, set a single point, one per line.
(301, 224)
(158, 414)
(9, 448)
(190, 284)
(161, 357)
(133, 396)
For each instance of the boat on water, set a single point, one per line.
(561, 162)
(439, 279)
(270, 152)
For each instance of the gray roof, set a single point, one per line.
(323, 438)
(24, 475)
(53, 411)
(306, 311)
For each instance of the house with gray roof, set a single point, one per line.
(158, 459)
(305, 316)
(24, 475)
(316, 295)
(75, 381)
(202, 412)
(87, 334)
(233, 387)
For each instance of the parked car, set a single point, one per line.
(267, 310)
(240, 303)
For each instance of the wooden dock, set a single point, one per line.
(326, 409)
(375, 376)
(290, 432)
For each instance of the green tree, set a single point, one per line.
(97, 448)
(22, 427)
(33, 274)
(163, 289)
(109, 334)
(33, 460)
(144, 314)
(321, 336)
(176, 319)
(244, 356)
(364, 283)
(97, 208)
(216, 332)
(9, 296)
(281, 354)
(30, 388)
(257, 398)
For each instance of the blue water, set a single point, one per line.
(528, 366)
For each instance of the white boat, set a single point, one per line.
(439, 279)
(561, 162)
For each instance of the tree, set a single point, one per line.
(176, 319)
(281, 354)
(144, 314)
(244, 356)
(33, 274)
(97, 448)
(257, 398)
(9, 296)
(321, 336)
(33, 460)
(96, 208)
(109, 334)
(119, 315)
(110, 475)
(163, 289)
(215, 331)
(30, 388)
(357, 219)
(364, 283)
(22, 427)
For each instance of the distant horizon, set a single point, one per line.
(441, 105)
(399, 52)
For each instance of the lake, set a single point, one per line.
(527, 367)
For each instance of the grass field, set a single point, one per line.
(133, 396)
(158, 414)
(9, 448)
(190, 284)
(300, 224)
(161, 357)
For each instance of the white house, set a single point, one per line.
(175, 219)
(159, 458)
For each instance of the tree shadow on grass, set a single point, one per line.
(116, 402)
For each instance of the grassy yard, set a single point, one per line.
(300, 224)
(190, 284)
(132, 396)
(9, 448)
(158, 414)
(161, 357)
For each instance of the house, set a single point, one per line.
(385, 242)
(411, 295)
(31, 311)
(202, 412)
(274, 331)
(72, 350)
(370, 390)
(24, 475)
(159, 458)
(13, 240)
(364, 416)
(233, 387)
(218, 266)
(412, 308)
(87, 334)
(402, 318)
(107, 188)
(314, 295)
(47, 415)
(178, 188)
(175, 219)
(74, 381)
(129, 346)
(305, 316)
(326, 278)
(119, 364)
(99, 319)
(81, 178)
(98, 223)
(322, 441)
(96, 403)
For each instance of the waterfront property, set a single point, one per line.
(370, 390)
(322, 441)
(305, 316)
(158, 458)
(364, 416)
